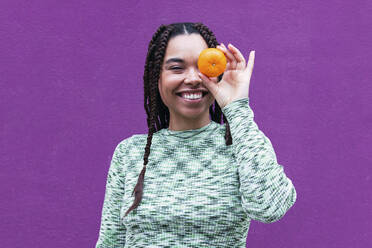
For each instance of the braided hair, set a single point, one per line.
(157, 112)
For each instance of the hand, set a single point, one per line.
(236, 78)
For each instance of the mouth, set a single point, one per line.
(193, 100)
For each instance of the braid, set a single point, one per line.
(149, 64)
(157, 113)
(152, 72)
(207, 34)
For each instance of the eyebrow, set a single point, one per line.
(174, 60)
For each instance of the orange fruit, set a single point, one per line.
(212, 62)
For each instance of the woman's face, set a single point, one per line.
(179, 73)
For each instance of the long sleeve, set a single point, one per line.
(266, 192)
(112, 232)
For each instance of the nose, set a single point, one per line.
(192, 76)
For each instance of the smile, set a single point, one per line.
(192, 100)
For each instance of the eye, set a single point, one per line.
(175, 68)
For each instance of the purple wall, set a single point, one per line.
(71, 89)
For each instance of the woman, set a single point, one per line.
(203, 182)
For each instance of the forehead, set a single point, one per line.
(185, 46)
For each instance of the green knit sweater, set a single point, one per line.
(198, 192)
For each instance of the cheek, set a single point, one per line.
(171, 83)
(160, 90)
(165, 92)
(161, 93)
(211, 99)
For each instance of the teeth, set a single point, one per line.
(192, 96)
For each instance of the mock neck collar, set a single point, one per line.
(190, 133)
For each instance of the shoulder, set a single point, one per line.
(122, 146)
(133, 141)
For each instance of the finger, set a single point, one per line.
(238, 56)
(228, 61)
(250, 64)
(230, 57)
(210, 83)
(223, 49)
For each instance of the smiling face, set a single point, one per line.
(180, 72)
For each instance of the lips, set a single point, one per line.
(203, 94)
(192, 101)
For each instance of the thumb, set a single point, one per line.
(209, 83)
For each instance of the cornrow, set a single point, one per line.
(157, 113)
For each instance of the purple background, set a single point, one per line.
(71, 90)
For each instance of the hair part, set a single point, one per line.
(157, 112)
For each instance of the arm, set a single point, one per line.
(112, 231)
(266, 192)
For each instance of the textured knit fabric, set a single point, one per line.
(198, 192)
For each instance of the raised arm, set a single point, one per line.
(266, 192)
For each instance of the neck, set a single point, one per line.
(181, 126)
